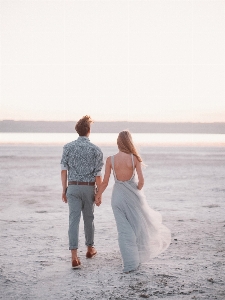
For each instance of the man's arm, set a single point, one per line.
(64, 170)
(98, 164)
(98, 171)
(64, 185)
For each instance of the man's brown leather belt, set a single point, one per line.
(80, 183)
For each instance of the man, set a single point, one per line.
(82, 161)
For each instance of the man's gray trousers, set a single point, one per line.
(81, 199)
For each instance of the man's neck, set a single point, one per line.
(84, 136)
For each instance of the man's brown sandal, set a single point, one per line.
(76, 264)
(90, 255)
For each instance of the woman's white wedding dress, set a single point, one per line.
(141, 234)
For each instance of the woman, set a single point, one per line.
(141, 235)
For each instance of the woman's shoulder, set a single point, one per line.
(112, 156)
(109, 159)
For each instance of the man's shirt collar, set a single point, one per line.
(83, 138)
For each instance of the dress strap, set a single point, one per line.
(112, 162)
(132, 158)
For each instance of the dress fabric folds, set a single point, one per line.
(141, 234)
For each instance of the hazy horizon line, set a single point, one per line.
(113, 126)
(94, 121)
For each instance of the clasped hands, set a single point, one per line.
(98, 199)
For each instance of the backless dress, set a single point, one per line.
(141, 234)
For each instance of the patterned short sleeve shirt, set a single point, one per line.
(82, 159)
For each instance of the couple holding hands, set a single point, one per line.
(141, 234)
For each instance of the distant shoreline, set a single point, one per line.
(112, 127)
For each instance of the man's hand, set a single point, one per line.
(64, 199)
(98, 200)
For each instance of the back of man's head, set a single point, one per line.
(83, 126)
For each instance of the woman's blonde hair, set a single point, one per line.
(125, 144)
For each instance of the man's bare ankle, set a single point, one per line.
(91, 249)
(74, 254)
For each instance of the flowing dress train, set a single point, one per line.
(141, 234)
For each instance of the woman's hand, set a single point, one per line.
(140, 185)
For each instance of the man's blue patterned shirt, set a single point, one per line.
(82, 159)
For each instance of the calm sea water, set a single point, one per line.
(144, 139)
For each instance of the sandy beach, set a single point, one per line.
(185, 184)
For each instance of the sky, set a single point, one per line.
(125, 60)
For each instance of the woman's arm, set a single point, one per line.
(98, 181)
(104, 183)
(140, 175)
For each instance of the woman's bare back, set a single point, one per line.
(123, 166)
